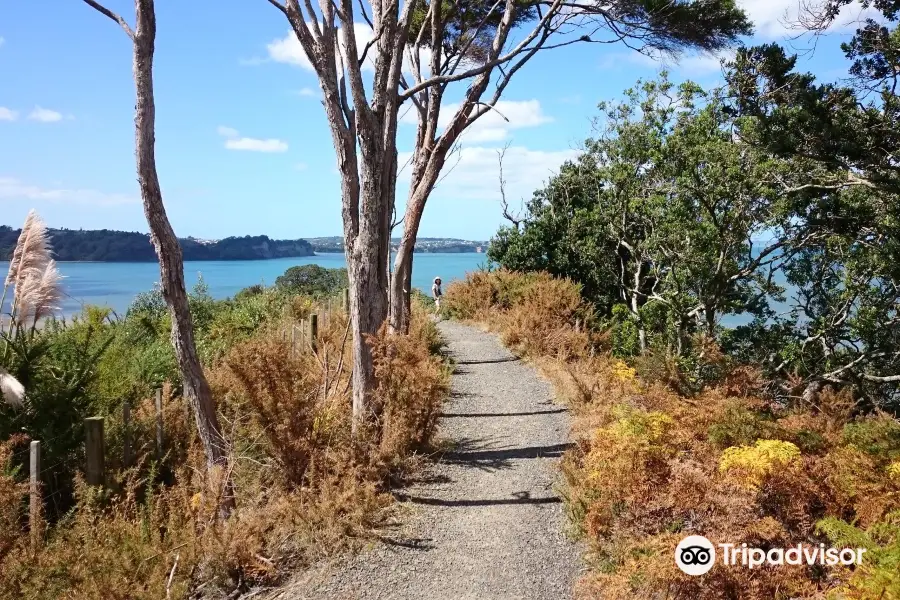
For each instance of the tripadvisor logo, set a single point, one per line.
(696, 555)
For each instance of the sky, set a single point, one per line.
(243, 146)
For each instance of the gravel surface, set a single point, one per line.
(486, 522)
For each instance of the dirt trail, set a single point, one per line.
(486, 523)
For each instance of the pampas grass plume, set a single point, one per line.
(13, 391)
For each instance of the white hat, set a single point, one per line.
(437, 279)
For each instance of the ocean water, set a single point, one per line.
(116, 284)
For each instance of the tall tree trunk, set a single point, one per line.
(425, 173)
(401, 288)
(710, 314)
(366, 260)
(401, 282)
(171, 264)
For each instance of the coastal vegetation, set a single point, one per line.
(655, 460)
(313, 280)
(472, 45)
(105, 245)
(772, 199)
(303, 488)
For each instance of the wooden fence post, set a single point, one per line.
(160, 439)
(293, 339)
(35, 505)
(94, 450)
(347, 301)
(313, 332)
(126, 433)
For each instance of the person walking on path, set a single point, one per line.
(436, 294)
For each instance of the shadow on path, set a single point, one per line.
(475, 453)
(519, 498)
(489, 361)
(513, 414)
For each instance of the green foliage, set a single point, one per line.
(695, 204)
(58, 367)
(312, 280)
(879, 574)
(624, 332)
(659, 213)
(877, 435)
(847, 136)
(737, 426)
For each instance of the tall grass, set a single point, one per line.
(651, 465)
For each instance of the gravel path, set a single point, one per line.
(486, 523)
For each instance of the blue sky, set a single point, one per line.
(242, 142)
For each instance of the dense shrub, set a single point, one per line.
(312, 280)
(533, 312)
(304, 488)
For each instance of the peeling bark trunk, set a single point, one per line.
(425, 172)
(636, 311)
(171, 264)
(366, 260)
(811, 392)
(401, 288)
(401, 282)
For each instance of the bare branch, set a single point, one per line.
(118, 19)
(274, 3)
(516, 220)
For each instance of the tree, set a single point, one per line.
(662, 212)
(196, 389)
(643, 24)
(847, 320)
(458, 46)
(312, 280)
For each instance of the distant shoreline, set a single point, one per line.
(259, 260)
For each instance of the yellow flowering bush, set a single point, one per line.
(622, 371)
(634, 423)
(753, 463)
(894, 470)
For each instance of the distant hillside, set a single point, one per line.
(106, 245)
(336, 244)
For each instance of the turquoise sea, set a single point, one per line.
(116, 284)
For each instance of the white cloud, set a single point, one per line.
(774, 18)
(256, 145)
(235, 142)
(7, 114)
(692, 65)
(44, 115)
(495, 125)
(701, 64)
(289, 51)
(307, 92)
(474, 173)
(301, 166)
(14, 189)
(2, 40)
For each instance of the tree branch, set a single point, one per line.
(122, 23)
